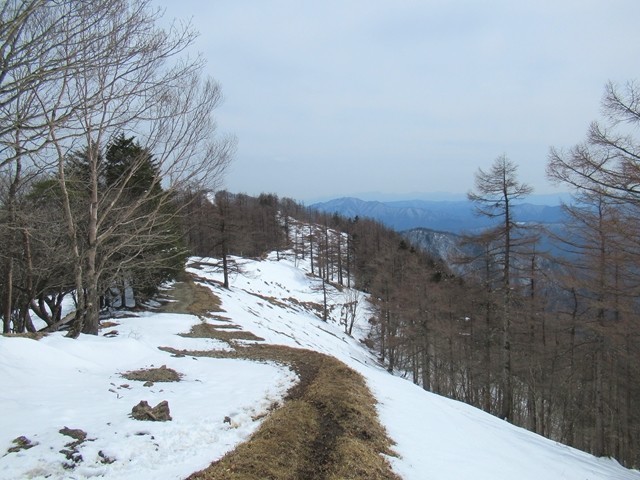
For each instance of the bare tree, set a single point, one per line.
(114, 71)
(494, 194)
(602, 237)
(608, 161)
(352, 299)
(28, 44)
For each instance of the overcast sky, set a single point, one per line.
(334, 98)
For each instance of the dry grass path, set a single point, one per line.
(327, 427)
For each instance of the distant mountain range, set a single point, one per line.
(447, 216)
(436, 226)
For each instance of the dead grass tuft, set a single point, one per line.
(161, 374)
(313, 307)
(192, 298)
(272, 300)
(207, 330)
(278, 450)
(355, 459)
(344, 395)
(30, 335)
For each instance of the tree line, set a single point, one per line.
(547, 343)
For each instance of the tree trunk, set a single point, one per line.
(325, 311)
(79, 317)
(92, 317)
(225, 265)
(599, 434)
(311, 252)
(8, 296)
(506, 409)
(10, 249)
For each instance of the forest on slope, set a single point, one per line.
(446, 332)
(550, 349)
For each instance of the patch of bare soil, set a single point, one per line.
(186, 296)
(160, 374)
(327, 427)
(221, 332)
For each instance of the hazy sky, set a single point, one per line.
(331, 98)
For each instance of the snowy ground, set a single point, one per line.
(58, 382)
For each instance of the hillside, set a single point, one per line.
(444, 246)
(447, 247)
(219, 402)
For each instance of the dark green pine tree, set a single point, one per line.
(156, 254)
(129, 164)
(77, 170)
(144, 250)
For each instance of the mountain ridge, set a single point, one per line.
(456, 216)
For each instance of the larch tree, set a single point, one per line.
(608, 161)
(494, 195)
(604, 173)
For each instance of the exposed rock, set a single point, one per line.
(21, 443)
(105, 459)
(75, 433)
(159, 413)
(71, 452)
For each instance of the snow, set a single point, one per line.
(58, 382)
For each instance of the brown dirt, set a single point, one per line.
(192, 298)
(327, 427)
(221, 332)
(160, 374)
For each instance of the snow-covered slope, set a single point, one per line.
(58, 382)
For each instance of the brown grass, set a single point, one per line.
(207, 330)
(278, 450)
(192, 298)
(161, 374)
(327, 427)
(272, 300)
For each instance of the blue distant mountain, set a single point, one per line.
(448, 216)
